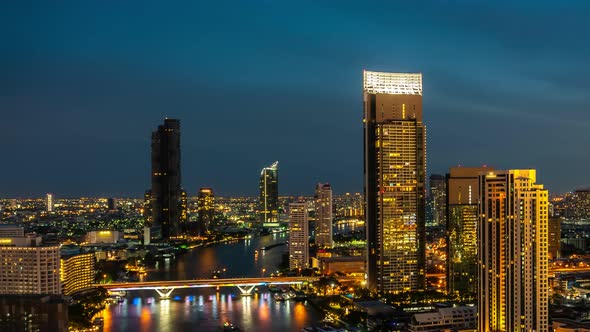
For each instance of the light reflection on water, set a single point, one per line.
(207, 311)
(204, 309)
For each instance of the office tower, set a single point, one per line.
(462, 185)
(49, 203)
(166, 190)
(395, 167)
(111, 204)
(29, 268)
(206, 210)
(77, 273)
(438, 199)
(323, 210)
(554, 235)
(269, 195)
(298, 235)
(512, 230)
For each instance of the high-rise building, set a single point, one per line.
(554, 246)
(77, 273)
(437, 197)
(298, 235)
(462, 185)
(323, 210)
(269, 195)
(49, 202)
(28, 268)
(206, 210)
(111, 204)
(395, 168)
(512, 230)
(166, 193)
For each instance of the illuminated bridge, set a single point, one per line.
(245, 285)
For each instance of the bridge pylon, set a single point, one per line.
(164, 292)
(246, 289)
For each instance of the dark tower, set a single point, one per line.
(166, 193)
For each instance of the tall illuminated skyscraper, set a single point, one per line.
(323, 210)
(438, 199)
(269, 195)
(395, 168)
(166, 193)
(49, 202)
(462, 185)
(206, 210)
(512, 230)
(298, 235)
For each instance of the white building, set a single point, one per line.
(323, 210)
(445, 319)
(11, 231)
(27, 267)
(50, 202)
(298, 236)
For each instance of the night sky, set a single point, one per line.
(84, 83)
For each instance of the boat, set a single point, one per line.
(227, 326)
(278, 297)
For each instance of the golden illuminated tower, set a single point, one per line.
(323, 210)
(395, 168)
(206, 209)
(512, 232)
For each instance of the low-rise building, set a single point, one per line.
(103, 237)
(445, 319)
(568, 325)
(345, 265)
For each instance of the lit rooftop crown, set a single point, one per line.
(392, 83)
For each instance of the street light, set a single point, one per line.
(263, 270)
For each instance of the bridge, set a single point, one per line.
(245, 285)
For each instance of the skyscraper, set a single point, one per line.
(462, 185)
(269, 195)
(49, 202)
(323, 210)
(438, 200)
(395, 168)
(166, 193)
(512, 286)
(554, 238)
(206, 210)
(298, 235)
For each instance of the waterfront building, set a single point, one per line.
(512, 272)
(445, 319)
(269, 196)
(77, 273)
(437, 200)
(205, 210)
(462, 185)
(395, 168)
(554, 246)
(33, 313)
(298, 235)
(49, 202)
(323, 210)
(28, 267)
(166, 192)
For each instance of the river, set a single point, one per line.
(206, 309)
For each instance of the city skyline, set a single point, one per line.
(67, 83)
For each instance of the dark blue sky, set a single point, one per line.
(83, 84)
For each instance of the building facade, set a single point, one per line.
(166, 192)
(512, 230)
(269, 195)
(395, 168)
(28, 267)
(77, 273)
(462, 204)
(298, 236)
(445, 319)
(437, 200)
(554, 238)
(323, 210)
(206, 210)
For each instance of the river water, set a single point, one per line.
(201, 309)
